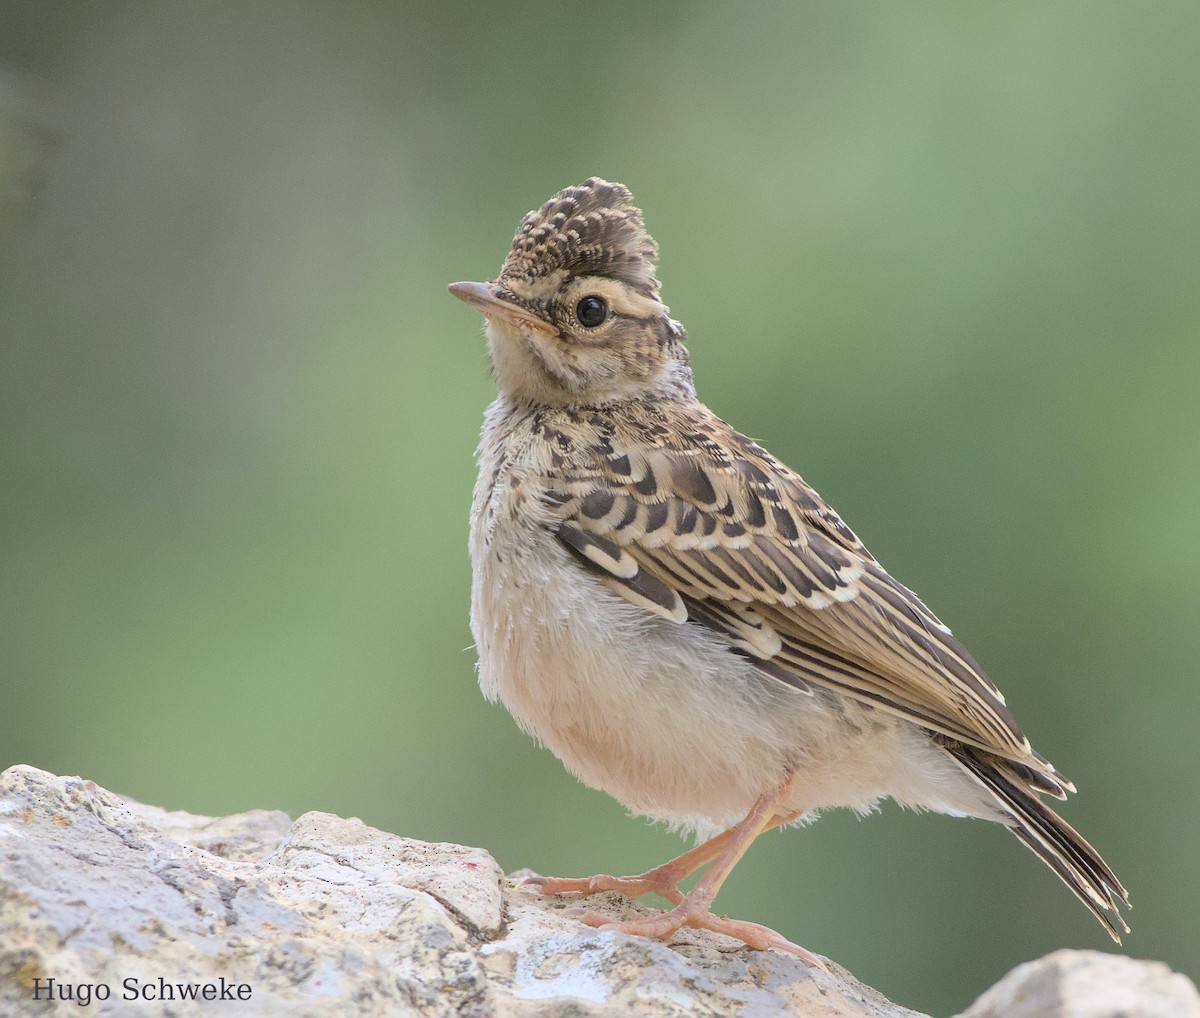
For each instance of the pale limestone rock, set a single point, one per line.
(558, 967)
(326, 916)
(1089, 984)
(323, 916)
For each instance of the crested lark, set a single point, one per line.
(681, 619)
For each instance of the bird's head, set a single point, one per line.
(575, 317)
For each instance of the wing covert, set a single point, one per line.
(700, 525)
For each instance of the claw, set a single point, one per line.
(631, 887)
(720, 854)
(664, 925)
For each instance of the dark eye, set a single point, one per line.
(591, 311)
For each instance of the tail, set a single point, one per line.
(1051, 838)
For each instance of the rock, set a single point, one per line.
(107, 901)
(107, 897)
(1089, 984)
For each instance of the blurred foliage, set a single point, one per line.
(941, 258)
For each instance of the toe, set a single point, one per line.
(633, 887)
(761, 938)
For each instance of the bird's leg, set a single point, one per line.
(723, 853)
(661, 880)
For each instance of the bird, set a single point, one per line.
(682, 620)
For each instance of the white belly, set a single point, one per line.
(663, 717)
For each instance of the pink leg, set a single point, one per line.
(721, 853)
(661, 880)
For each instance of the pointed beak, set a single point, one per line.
(489, 299)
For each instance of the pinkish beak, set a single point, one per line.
(485, 297)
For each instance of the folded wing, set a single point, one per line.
(704, 527)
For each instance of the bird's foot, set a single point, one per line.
(664, 925)
(651, 882)
(662, 880)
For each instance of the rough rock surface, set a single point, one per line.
(1089, 984)
(326, 916)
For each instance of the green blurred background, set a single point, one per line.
(942, 258)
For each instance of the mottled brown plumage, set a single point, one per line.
(718, 523)
(652, 587)
(593, 229)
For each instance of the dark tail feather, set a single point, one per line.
(1051, 838)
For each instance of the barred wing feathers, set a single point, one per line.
(699, 524)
